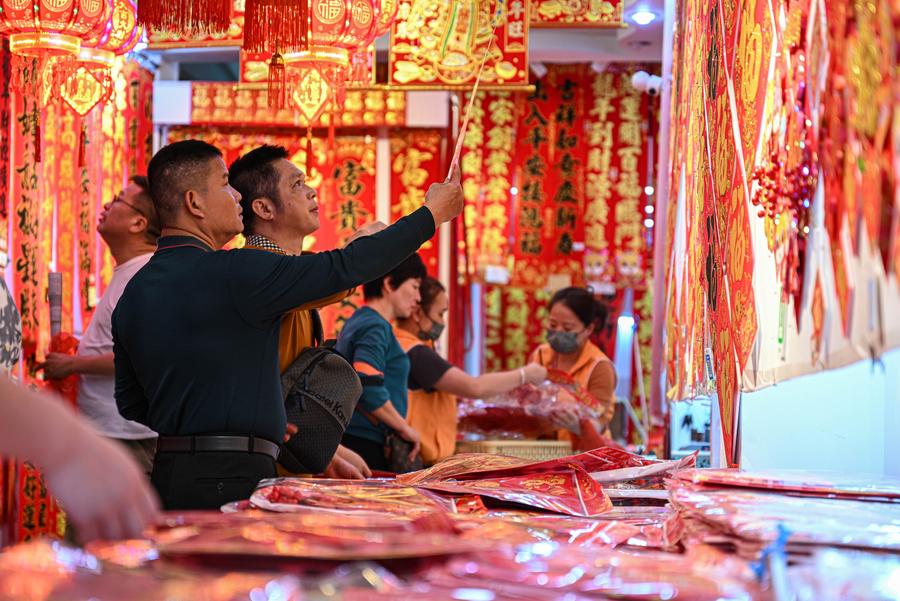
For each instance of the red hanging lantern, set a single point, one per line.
(188, 18)
(45, 28)
(90, 83)
(338, 29)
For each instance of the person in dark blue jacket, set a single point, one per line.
(195, 332)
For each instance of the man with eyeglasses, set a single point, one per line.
(129, 225)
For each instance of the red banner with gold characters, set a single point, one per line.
(5, 115)
(221, 104)
(442, 44)
(415, 164)
(344, 178)
(593, 13)
(616, 238)
(514, 325)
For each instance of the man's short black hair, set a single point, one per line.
(410, 269)
(254, 176)
(174, 170)
(146, 207)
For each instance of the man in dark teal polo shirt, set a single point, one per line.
(196, 331)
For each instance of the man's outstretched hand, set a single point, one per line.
(445, 201)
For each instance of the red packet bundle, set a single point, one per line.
(470, 466)
(635, 529)
(570, 492)
(312, 536)
(41, 570)
(808, 483)
(749, 520)
(286, 495)
(533, 571)
(529, 411)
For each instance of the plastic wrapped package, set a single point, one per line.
(285, 495)
(635, 530)
(471, 466)
(750, 520)
(579, 573)
(835, 575)
(315, 536)
(530, 411)
(809, 483)
(40, 571)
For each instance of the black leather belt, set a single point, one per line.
(191, 444)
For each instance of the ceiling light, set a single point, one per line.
(643, 16)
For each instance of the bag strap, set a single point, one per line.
(318, 330)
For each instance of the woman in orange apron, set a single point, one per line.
(434, 383)
(574, 316)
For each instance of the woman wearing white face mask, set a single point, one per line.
(434, 384)
(574, 316)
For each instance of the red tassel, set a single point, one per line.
(309, 151)
(277, 92)
(273, 24)
(37, 137)
(187, 18)
(82, 144)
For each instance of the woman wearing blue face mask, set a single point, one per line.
(574, 316)
(434, 384)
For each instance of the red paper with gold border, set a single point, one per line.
(533, 142)
(347, 204)
(223, 104)
(515, 319)
(415, 163)
(553, 13)
(471, 164)
(5, 147)
(68, 186)
(462, 31)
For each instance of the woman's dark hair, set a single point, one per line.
(412, 268)
(429, 291)
(582, 303)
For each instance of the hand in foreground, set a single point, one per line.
(59, 366)
(568, 419)
(366, 230)
(535, 374)
(344, 465)
(104, 492)
(445, 201)
(410, 435)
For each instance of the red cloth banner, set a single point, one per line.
(463, 33)
(553, 13)
(415, 164)
(616, 247)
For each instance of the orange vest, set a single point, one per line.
(581, 372)
(431, 414)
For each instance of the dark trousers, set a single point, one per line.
(372, 452)
(208, 480)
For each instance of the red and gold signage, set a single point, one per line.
(471, 167)
(616, 172)
(5, 113)
(586, 13)
(514, 325)
(226, 104)
(415, 163)
(442, 44)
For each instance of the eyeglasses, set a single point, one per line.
(121, 198)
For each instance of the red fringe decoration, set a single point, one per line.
(37, 137)
(188, 18)
(277, 92)
(82, 144)
(309, 150)
(270, 25)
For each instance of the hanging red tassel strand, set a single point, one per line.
(309, 151)
(277, 90)
(270, 25)
(189, 18)
(82, 146)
